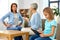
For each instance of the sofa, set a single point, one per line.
(58, 32)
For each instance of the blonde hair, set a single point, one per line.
(50, 12)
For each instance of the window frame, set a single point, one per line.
(54, 2)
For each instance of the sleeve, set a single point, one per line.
(20, 18)
(37, 23)
(4, 17)
(54, 23)
(29, 23)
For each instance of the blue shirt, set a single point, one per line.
(35, 21)
(48, 28)
(10, 16)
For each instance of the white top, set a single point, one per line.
(16, 19)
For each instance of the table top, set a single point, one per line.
(11, 32)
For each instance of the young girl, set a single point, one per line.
(50, 26)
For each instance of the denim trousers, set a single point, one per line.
(36, 37)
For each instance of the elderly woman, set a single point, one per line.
(15, 20)
(35, 20)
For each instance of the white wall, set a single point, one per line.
(3, 7)
(25, 4)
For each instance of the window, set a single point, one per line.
(53, 0)
(59, 7)
(54, 4)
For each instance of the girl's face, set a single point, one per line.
(14, 8)
(47, 15)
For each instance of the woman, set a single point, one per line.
(15, 19)
(35, 20)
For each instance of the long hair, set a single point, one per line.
(50, 12)
(12, 5)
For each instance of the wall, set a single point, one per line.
(3, 7)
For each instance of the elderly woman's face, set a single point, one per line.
(31, 9)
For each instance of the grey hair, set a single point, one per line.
(34, 5)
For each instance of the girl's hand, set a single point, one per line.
(40, 31)
(42, 35)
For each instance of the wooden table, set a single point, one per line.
(10, 34)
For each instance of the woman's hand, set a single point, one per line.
(7, 25)
(19, 24)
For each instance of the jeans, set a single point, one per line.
(16, 28)
(36, 37)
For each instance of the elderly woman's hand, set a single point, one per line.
(26, 19)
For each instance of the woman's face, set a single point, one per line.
(47, 15)
(14, 8)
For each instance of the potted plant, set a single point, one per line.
(56, 14)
